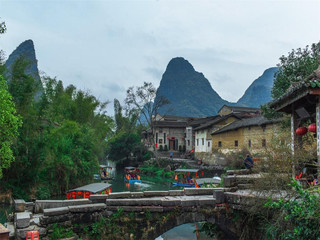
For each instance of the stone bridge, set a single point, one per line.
(132, 215)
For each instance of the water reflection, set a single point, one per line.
(184, 232)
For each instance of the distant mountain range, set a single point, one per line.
(190, 93)
(259, 92)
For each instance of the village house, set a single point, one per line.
(170, 132)
(203, 141)
(226, 115)
(253, 134)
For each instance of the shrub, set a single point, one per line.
(161, 148)
(180, 148)
(295, 218)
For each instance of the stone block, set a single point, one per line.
(136, 208)
(19, 205)
(119, 195)
(121, 202)
(176, 192)
(45, 220)
(22, 219)
(189, 202)
(55, 211)
(198, 191)
(207, 202)
(137, 194)
(155, 193)
(40, 205)
(148, 202)
(98, 198)
(167, 202)
(87, 208)
(229, 181)
(219, 196)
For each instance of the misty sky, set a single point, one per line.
(107, 46)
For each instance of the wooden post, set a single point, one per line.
(318, 133)
(294, 125)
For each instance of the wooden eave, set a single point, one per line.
(297, 98)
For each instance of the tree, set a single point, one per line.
(3, 27)
(298, 65)
(9, 124)
(141, 101)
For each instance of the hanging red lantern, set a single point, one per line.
(301, 131)
(312, 128)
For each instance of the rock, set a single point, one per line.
(19, 205)
(22, 219)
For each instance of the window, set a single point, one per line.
(219, 144)
(188, 142)
(156, 137)
(197, 141)
(164, 138)
(160, 130)
(160, 140)
(264, 143)
(202, 141)
(208, 144)
(249, 143)
(236, 143)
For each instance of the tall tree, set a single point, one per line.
(141, 100)
(9, 123)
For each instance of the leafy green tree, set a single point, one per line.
(122, 145)
(298, 65)
(9, 124)
(70, 158)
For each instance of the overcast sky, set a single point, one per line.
(107, 46)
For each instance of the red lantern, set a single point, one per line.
(301, 131)
(312, 128)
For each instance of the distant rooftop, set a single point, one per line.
(247, 122)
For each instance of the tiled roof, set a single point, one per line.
(220, 118)
(241, 109)
(247, 122)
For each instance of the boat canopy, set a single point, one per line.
(187, 170)
(93, 188)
